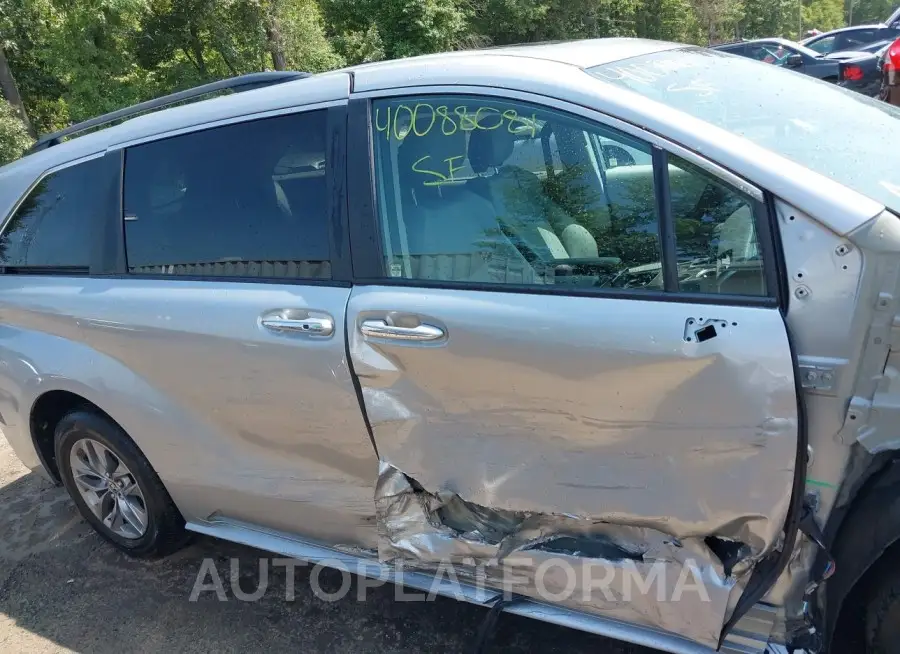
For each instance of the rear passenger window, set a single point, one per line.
(856, 38)
(246, 200)
(52, 226)
(715, 234)
(483, 190)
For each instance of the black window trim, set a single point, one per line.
(365, 227)
(57, 271)
(668, 251)
(335, 179)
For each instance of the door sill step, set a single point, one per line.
(746, 638)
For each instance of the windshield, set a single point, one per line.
(800, 48)
(841, 134)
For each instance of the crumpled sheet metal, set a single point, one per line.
(724, 468)
(635, 574)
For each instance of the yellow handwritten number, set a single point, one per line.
(415, 119)
(397, 133)
(466, 122)
(445, 119)
(479, 124)
(386, 128)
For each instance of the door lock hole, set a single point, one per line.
(699, 330)
(706, 333)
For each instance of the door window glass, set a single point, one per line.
(484, 190)
(715, 234)
(850, 40)
(53, 225)
(244, 200)
(823, 46)
(770, 53)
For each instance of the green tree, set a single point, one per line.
(767, 18)
(869, 11)
(26, 27)
(667, 20)
(294, 31)
(14, 137)
(503, 22)
(823, 15)
(718, 19)
(404, 27)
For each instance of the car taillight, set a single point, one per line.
(893, 57)
(853, 73)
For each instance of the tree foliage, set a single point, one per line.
(68, 60)
(14, 137)
(824, 15)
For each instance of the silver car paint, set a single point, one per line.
(594, 408)
(44, 348)
(237, 420)
(834, 205)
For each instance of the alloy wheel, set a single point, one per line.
(109, 488)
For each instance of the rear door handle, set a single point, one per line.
(380, 329)
(311, 326)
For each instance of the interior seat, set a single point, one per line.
(451, 232)
(520, 203)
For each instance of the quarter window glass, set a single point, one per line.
(53, 225)
(715, 234)
(246, 200)
(483, 190)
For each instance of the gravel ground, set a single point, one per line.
(63, 589)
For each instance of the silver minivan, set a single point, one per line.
(605, 326)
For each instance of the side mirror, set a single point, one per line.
(795, 61)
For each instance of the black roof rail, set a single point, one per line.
(236, 84)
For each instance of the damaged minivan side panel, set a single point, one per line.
(584, 464)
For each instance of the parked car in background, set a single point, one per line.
(852, 38)
(856, 71)
(889, 65)
(877, 47)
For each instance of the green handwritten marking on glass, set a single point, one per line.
(479, 119)
(404, 120)
(386, 127)
(817, 482)
(440, 178)
(415, 119)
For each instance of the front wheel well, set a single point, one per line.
(46, 413)
(868, 536)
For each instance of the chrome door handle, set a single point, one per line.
(311, 326)
(380, 329)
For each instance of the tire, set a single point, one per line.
(883, 615)
(147, 504)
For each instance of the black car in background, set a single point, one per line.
(852, 38)
(856, 71)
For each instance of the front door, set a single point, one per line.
(571, 354)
